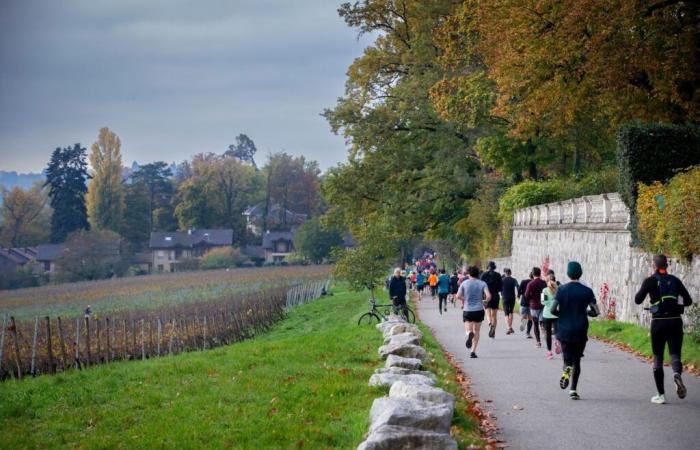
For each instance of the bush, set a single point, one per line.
(653, 152)
(21, 277)
(222, 258)
(668, 216)
(188, 265)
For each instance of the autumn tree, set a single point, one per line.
(66, 177)
(292, 182)
(244, 149)
(25, 217)
(156, 178)
(315, 241)
(105, 196)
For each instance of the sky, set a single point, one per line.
(171, 77)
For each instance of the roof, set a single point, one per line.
(9, 255)
(271, 237)
(49, 252)
(190, 238)
(142, 258)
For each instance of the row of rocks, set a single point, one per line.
(415, 414)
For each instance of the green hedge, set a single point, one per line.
(653, 152)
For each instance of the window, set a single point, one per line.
(168, 238)
(171, 255)
(161, 254)
(160, 267)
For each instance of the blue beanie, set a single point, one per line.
(574, 270)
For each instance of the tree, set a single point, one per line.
(137, 214)
(244, 149)
(194, 208)
(293, 184)
(66, 176)
(315, 242)
(105, 197)
(155, 176)
(91, 255)
(25, 217)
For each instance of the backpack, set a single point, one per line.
(667, 305)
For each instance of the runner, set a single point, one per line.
(533, 293)
(432, 281)
(413, 280)
(509, 292)
(572, 303)
(420, 283)
(397, 292)
(525, 318)
(666, 308)
(550, 320)
(495, 283)
(454, 286)
(443, 288)
(472, 293)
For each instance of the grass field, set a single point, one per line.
(303, 385)
(638, 339)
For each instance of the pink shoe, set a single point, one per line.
(557, 347)
(549, 355)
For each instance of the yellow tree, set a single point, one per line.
(105, 196)
(25, 217)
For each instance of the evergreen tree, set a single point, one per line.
(135, 226)
(156, 178)
(66, 176)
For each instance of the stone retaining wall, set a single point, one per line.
(592, 230)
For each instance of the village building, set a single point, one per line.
(170, 248)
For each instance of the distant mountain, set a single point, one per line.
(24, 180)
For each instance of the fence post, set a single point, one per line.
(143, 341)
(133, 339)
(160, 330)
(2, 338)
(52, 368)
(77, 343)
(204, 334)
(150, 338)
(172, 335)
(16, 339)
(36, 331)
(62, 342)
(124, 339)
(98, 335)
(87, 340)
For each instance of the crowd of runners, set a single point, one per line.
(549, 310)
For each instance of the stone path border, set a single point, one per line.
(415, 414)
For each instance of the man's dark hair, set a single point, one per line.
(507, 271)
(660, 261)
(474, 272)
(536, 272)
(442, 270)
(491, 265)
(550, 272)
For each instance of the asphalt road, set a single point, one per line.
(615, 388)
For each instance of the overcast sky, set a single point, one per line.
(171, 77)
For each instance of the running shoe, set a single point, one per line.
(549, 355)
(511, 331)
(473, 355)
(469, 340)
(538, 345)
(557, 347)
(523, 324)
(680, 387)
(659, 399)
(492, 332)
(529, 336)
(573, 395)
(564, 380)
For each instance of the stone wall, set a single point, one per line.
(593, 231)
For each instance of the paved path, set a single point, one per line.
(615, 387)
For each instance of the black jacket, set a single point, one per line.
(397, 288)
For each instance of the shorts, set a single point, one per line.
(453, 290)
(443, 296)
(524, 311)
(473, 316)
(420, 287)
(493, 303)
(433, 290)
(536, 314)
(571, 350)
(508, 307)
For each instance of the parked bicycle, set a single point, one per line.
(379, 313)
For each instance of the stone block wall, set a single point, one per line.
(591, 230)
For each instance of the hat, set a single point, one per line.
(574, 270)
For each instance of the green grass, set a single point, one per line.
(638, 339)
(303, 385)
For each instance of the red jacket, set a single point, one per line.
(533, 292)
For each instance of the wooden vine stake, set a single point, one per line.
(52, 367)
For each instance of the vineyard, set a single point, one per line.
(146, 317)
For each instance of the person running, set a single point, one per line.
(525, 318)
(473, 294)
(573, 303)
(413, 280)
(533, 293)
(550, 320)
(397, 292)
(509, 291)
(454, 286)
(432, 281)
(666, 308)
(420, 283)
(443, 288)
(495, 283)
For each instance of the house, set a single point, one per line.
(47, 255)
(277, 217)
(277, 245)
(12, 259)
(144, 261)
(170, 248)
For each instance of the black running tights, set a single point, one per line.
(573, 352)
(550, 328)
(666, 331)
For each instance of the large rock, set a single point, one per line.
(403, 328)
(405, 350)
(420, 392)
(404, 371)
(387, 379)
(411, 413)
(400, 361)
(402, 338)
(393, 437)
(392, 321)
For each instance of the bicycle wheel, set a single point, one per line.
(368, 318)
(407, 314)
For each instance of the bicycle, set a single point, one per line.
(379, 313)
